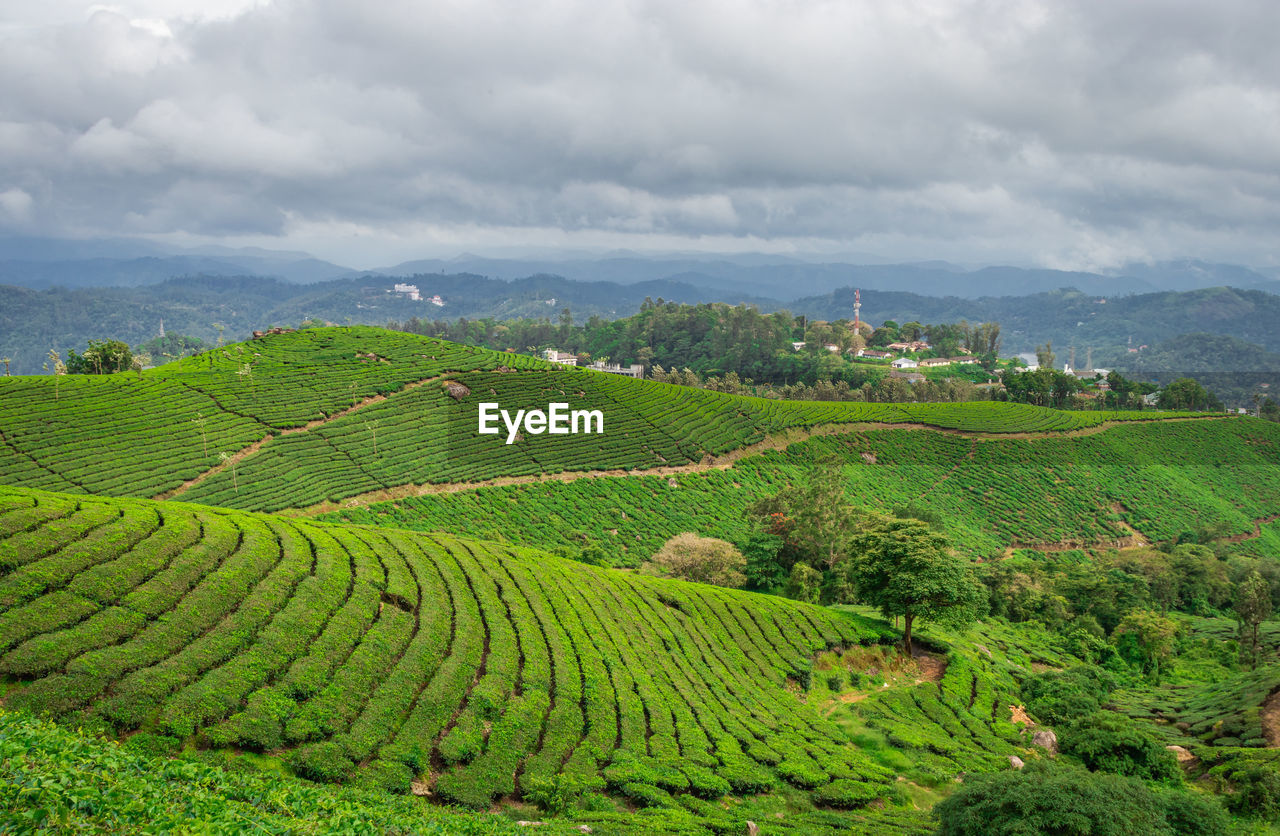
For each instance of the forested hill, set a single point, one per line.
(33, 321)
(1069, 317)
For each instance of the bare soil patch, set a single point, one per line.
(932, 668)
(1269, 715)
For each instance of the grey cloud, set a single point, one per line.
(1058, 130)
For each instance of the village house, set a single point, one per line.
(564, 358)
(634, 370)
(874, 355)
(904, 363)
(963, 361)
(913, 346)
(933, 362)
(909, 377)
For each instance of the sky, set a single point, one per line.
(1062, 134)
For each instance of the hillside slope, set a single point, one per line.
(1150, 481)
(292, 420)
(474, 668)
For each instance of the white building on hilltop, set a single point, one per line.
(564, 358)
(634, 370)
(410, 290)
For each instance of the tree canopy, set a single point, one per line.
(906, 569)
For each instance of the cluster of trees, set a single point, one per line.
(172, 347)
(1047, 386)
(102, 357)
(813, 545)
(716, 339)
(114, 356)
(1116, 613)
(874, 387)
(946, 340)
(1187, 393)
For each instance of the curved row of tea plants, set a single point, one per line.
(58, 779)
(150, 435)
(991, 494)
(480, 669)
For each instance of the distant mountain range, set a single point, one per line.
(34, 321)
(41, 263)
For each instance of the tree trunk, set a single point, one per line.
(906, 631)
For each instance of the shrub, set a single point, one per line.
(647, 795)
(1257, 793)
(389, 776)
(1189, 814)
(326, 762)
(805, 775)
(557, 794)
(1056, 697)
(1114, 743)
(746, 777)
(700, 559)
(848, 794)
(1046, 798)
(704, 783)
(154, 745)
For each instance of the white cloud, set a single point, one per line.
(1040, 131)
(16, 203)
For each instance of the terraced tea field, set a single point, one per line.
(1155, 479)
(480, 669)
(428, 644)
(293, 420)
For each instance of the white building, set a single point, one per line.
(564, 358)
(634, 370)
(437, 301)
(410, 290)
(904, 363)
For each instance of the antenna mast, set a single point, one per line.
(857, 311)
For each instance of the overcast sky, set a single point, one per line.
(1072, 134)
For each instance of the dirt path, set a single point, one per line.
(246, 452)
(777, 441)
(1269, 716)
(1255, 534)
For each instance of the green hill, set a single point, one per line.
(1150, 481)
(433, 644)
(479, 669)
(327, 414)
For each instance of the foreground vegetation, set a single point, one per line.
(1127, 573)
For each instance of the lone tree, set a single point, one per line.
(1252, 606)
(906, 569)
(813, 518)
(700, 559)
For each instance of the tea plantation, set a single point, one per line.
(285, 586)
(326, 414)
(483, 670)
(1158, 479)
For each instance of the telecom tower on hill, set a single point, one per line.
(857, 311)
